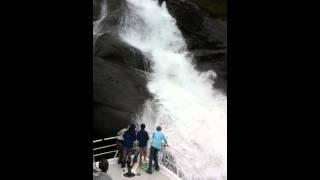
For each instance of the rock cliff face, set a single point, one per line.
(120, 71)
(118, 92)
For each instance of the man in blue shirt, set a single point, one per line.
(142, 137)
(157, 138)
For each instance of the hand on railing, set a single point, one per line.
(163, 146)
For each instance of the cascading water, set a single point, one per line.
(103, 14)
(192, 113)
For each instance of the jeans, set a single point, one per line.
(153, 156)
(126, 155)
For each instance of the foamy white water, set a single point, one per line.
(103, 14)
(192, 113)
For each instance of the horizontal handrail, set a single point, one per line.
(95, 141)
(103, 147)
(110, 138)
(105, 139)
(105, 153)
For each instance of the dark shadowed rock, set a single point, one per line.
(118, 94)
(199, 29)
(110, 47)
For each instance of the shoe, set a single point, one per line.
(157, 169)
(149, 171)
(123, 166)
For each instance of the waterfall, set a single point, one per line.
(192, 113)
(103, 14)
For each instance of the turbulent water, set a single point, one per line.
(96, 29)
(192, 113)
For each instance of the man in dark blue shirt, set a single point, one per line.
(142, 138)
(129, 137)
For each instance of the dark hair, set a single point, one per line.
(158, 128)
(143, 126)
(132, 127)
(104, 165)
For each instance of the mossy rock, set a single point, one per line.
(216, 8)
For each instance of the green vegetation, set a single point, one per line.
(216, 8)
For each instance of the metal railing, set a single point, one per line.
(104, 147)
(176, 162)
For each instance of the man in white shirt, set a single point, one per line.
(120, 142)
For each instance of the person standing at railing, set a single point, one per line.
(129, 137)
(119, 143)
(142, 137)
(157, 138)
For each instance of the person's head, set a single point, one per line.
(143, 126)
(104, 165)
(132, 127)
(158, 128)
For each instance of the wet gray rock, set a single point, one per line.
(109, 46)
(118, 93)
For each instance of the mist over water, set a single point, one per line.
(192, 113)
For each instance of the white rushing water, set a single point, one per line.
(192, 113)
(103, 14)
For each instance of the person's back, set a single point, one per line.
(129, 137)
(158, 137)
(143, 138)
